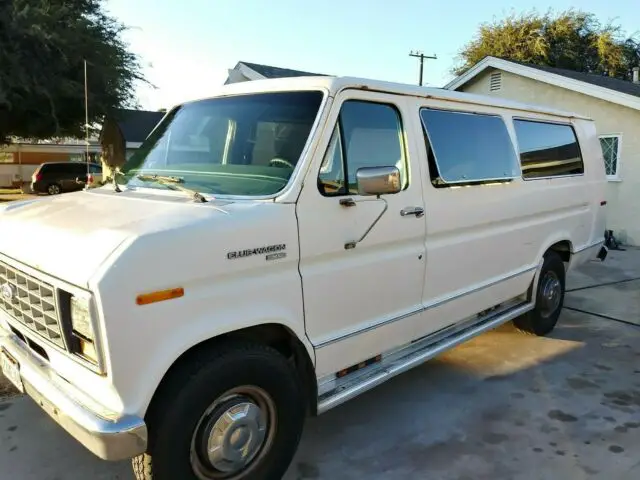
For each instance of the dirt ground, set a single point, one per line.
(8, 195)
(6, 389)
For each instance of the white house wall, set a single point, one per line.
(623, 202)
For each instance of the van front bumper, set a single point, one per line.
(108, 435)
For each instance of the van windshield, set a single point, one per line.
(244, 145)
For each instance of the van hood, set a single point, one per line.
(71, 235)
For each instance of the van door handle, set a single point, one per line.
(417, 211)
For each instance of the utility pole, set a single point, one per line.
(422, 56)
(86, 122)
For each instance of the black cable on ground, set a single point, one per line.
(606, 317)
(617, 282)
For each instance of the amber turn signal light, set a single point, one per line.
(159, 296)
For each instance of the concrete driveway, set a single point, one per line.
(503, 406)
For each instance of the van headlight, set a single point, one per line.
(81, 317)
(82, 329)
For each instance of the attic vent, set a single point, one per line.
(495, 82)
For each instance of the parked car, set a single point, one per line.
(279, 250)
(54, 178)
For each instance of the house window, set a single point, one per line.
(495, 82)
(6, 157)
(611, 152)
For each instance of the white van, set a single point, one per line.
(281, 248)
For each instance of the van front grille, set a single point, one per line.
(31, 302)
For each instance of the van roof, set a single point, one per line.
(335, 84)
(64, 163)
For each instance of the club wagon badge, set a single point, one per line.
(271, 252)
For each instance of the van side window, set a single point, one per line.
(78, 168)
(547, 149)
(468, 147)
(367, 135)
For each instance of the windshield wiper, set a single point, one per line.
(173, 183)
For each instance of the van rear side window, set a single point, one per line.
(468, 147)
(547, 149)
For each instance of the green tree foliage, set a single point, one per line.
(43, 45)
(571, 39)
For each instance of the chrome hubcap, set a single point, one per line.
(236, 437)
(234, 433)
(550, 294)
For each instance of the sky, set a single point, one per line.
(187, 47)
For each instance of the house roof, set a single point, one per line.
(622, 86)
(615, 90)
(267, 71)
(135, 125)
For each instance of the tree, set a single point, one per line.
(43, 45)
(571, 39)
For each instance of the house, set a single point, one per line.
(613, 104)
(246, 71)
(122, 133)
(20, 158)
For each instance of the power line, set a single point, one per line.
(422, 56)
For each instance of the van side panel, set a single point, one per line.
(596, 183)
(484, 242)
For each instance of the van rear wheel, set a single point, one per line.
(235, 413)
(549, 300)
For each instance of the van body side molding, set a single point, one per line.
(412, 356)
(433, 304)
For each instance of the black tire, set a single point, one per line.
(543, 318)
(189, 392)
(54, 189)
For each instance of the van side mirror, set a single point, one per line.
(378, 180)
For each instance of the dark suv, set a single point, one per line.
(59, 177)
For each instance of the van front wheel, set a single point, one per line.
(549, 300)
(236, 413)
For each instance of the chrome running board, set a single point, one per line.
(335, 391)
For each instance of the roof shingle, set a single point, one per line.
(268, 71)
(617, 84)
(135, 125)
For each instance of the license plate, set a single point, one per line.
(11, 370)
